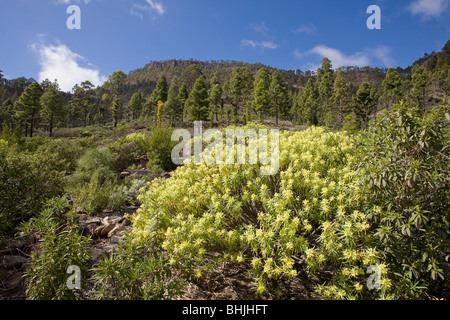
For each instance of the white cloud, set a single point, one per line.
(338, 59)
(383, 54)
(380, 54)
(259, 44)
(429, 8)
(260, 28)
(152, 6)
(305, 28)
(59, 62)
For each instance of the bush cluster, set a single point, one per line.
(339, 207)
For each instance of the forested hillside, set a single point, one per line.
(232, 90)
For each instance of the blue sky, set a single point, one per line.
(286, 34)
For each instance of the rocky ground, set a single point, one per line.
(106, 231)
(229, 282)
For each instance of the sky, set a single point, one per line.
(286, 34)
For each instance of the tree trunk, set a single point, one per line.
(51, 126)
(276, 115)
(31, 126)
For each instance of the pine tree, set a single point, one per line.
(183, 95)
(340, 94)
(173, 105)
(307, 100)
(215, 93)
(160, 105)
(52, 103)
(324, 84)
(114, 86)
(115, 107)
(365, 102)
(28, 106)
(190, 75)
(420, 82)
(135, 105)
(261, 92)
(392, 85)
(239, 88)
(197, 105)
(278, 95)
(82, 99)
(159, 94)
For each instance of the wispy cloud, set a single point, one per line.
(305, 28)
(259, 44)
(150, 7)
(383, 54)
(61, 63)
(429, 8)
(380, 54)
(259, 27)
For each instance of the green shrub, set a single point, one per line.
(161, 145)
(69, 150)
(61, 246)
(142, 141)
(27, 179)
(406, 174)
(350, 124)
(102, 192)
(132, 192)
(135, 273)
(85, 134)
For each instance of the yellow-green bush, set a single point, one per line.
(309, 210)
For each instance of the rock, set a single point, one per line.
(106, 220)
(126, 222)
(107, 229)
(129, 209)
(92, 220)
(116, 240)
(124, 174)
(165, 175)
(90, 229)
(116, 229)
(96, 254)
(15, 280)
(109, 248)
(143, 161)
(17, 243)
(98, 231)
(11, 262)
(115, 219)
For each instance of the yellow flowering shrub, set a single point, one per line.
(307, 216)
